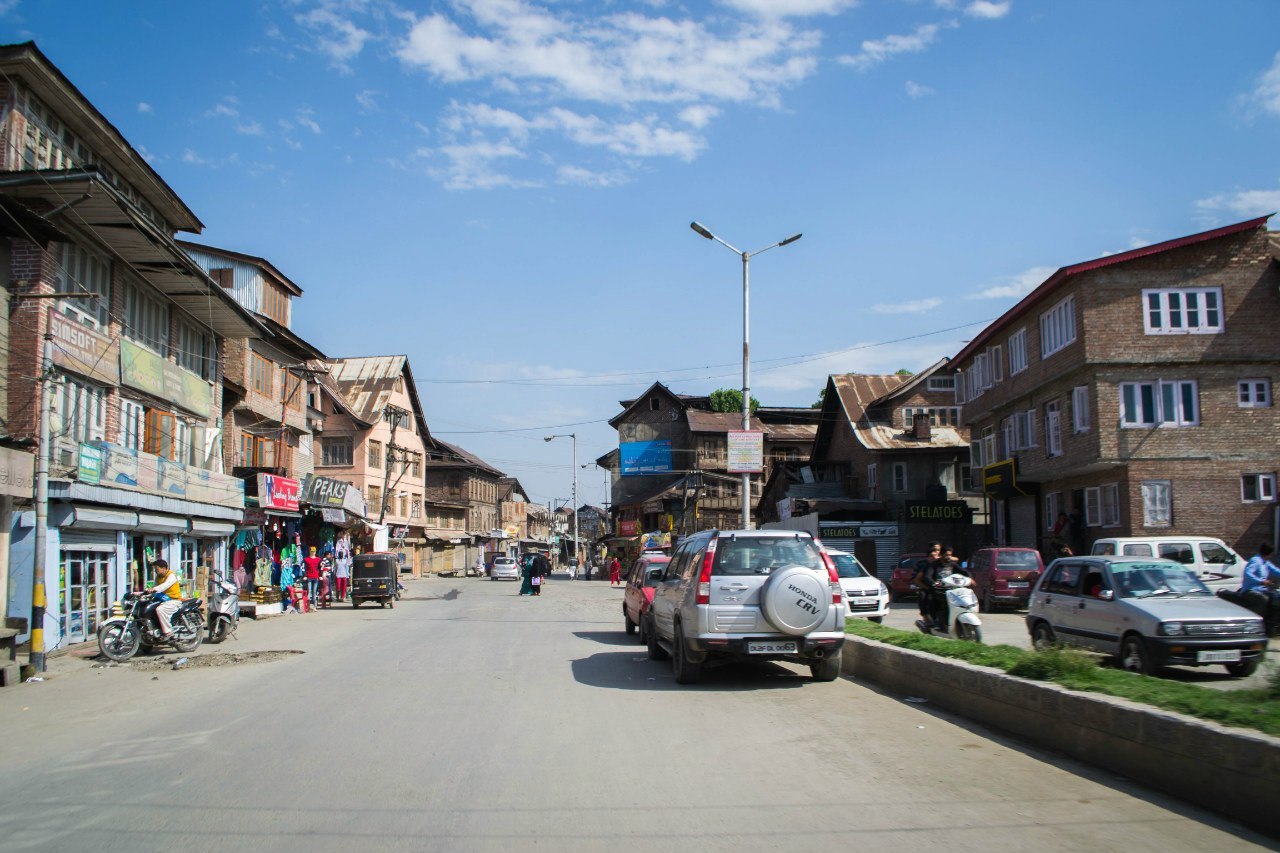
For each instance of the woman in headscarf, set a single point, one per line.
(526, 575)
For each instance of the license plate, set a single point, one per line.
(865, 601)
(1224, 656)
(771, 647)
(1018, 584)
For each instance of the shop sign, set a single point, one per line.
(745, 451)
(947, 512)
(655, 540)
(324, 491)
(857, 531)
(628, 528)
(354, 503)
(333, 516)
(81, 350)
(254, 517)
(645, 457)
(142, 369)
(512, 530)
(878, 531)
(17, 473)
(89, 467)
(278, 492)
(399, 532)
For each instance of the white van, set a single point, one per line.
(1212, 559)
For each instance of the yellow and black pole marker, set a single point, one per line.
(38, 600)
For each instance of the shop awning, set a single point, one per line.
(89, 517)
(201, 527)
(158, 522)
(282, 513)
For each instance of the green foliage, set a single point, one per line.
(1247, 708)
(730, 400)
(822, 396)
(902, 371)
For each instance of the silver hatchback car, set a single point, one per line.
(747, 595)
(1147, 612)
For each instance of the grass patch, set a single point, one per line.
(1246, 708)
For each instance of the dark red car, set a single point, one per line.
(901, 585)
(1004, 576)
(638, 592)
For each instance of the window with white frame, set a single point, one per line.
(1157, 503)
(1058, 327)
(1018, 352)
(938, 416)
(1052, 429)
(989, 445)
(871, 481)
(1080, 408)
(1257, 488)
(981, 373)
(1183, 311)
(941, 383)
(900, 477)
(997, 364)
(1052, 506)
(1102, 505)
(195, 349)
(1253, 393)
(80, 410)
(146, 318)
(132, 424)
(81, 270)
(1024, 430)
(1159, 403)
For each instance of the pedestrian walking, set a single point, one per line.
(312, 566)
(342, 575)
(541, 569)
(526, 575)
(615, 572)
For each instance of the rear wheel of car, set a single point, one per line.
(1042, 636)
(827, 668)
(626, 618)
(1243, 669)
(1134, 656)
(686, 671)
(656, 652)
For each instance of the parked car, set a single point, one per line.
(901, 584)
(505, 568)
(1147, 612)
(734, 595)
(1004, 576)
(864, 594)
(645, 573)
(1213, 561)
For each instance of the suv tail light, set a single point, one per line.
(704, 579)
(833, 576)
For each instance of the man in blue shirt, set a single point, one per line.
(1260, 573)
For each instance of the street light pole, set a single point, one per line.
(574, 437)
(746, 345)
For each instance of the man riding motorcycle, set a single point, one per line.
(168, 592)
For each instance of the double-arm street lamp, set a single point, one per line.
(746, 346)
(574, 436)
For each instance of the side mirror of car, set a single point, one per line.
(1230, 561)
(654, 574)
(1107, 595)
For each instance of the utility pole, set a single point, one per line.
(396, 414)
(38, 601)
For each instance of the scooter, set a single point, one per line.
(959, 611)
(224, 608)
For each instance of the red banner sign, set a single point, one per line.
(278, 492)
(628, 528)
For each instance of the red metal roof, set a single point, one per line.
(1065, 273)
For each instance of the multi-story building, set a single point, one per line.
(1133, 393)
(456, 476)
(135, 333)
(889, 448)
(381, 450)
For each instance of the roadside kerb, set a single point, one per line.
(1232, 771)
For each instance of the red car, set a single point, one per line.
(902, 586)
(1004, 576)
(638, 592)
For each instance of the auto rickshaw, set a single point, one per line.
(375, 577)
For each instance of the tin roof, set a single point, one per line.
(858, 391)
(456, 457)
(368, 382)
(1058, 278)
(700, 421)
(884, 436)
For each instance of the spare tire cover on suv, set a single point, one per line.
(795, 600)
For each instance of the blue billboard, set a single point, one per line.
(645, 457)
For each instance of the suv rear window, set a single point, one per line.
(1017, 560)
(760, 555)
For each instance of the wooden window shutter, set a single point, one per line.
(159, 440)
(225, 277)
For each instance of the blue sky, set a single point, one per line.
(503, 189)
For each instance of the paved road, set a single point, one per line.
(1009, 627)
(471, 719)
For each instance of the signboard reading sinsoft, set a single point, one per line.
(645, 457)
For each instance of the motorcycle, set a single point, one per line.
(224, 608)
(1260, 602)
(120, 637)
(959, 610)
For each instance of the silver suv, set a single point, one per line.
(1147, 612)
(747, 595)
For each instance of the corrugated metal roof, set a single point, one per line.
(859, 390)
(700, 421)
(368, 382)
(791, 432)
(882, 436)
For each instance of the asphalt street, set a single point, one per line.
(469, 718)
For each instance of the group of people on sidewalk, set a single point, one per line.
(322, 581)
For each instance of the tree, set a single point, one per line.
(904, 372)
(730, 400)
(822, 396)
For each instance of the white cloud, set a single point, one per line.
(229, 108)
(914, 306)
(579, 176)
(1266, 94)
(368, 100)
(699, 116)
(790, 8)
(1016, 286)
(917, 90)
(875, 51)
(335, 36)
(144, 107)
(304, 117)
(987, 9)
(1241, 204)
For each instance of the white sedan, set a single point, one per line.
(505, 568)
(864, 594)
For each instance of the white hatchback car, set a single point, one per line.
(505, 568)
(864, 594)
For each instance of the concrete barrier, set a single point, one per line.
(1232, 771)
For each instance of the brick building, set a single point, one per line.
(459, 478)
(1134, 393)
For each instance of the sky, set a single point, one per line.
(502, 189)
